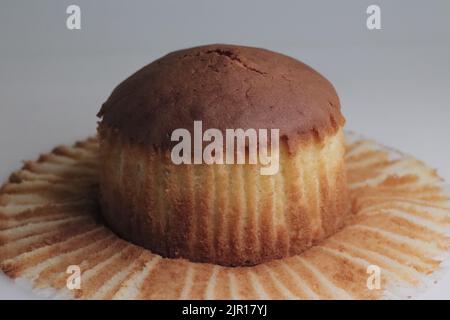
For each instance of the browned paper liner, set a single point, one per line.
(401, 213)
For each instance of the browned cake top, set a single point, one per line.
(225, 86)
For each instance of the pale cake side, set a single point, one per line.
(224, 214)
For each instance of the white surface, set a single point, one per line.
(394, 83)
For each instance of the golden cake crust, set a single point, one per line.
(225, 86)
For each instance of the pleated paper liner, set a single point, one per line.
(49, 220)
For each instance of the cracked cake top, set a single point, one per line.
(224, 86)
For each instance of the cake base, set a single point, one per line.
(49, 220)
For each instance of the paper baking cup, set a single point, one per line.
(398, 234)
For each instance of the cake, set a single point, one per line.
(226, 214)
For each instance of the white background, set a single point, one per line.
(394, 83)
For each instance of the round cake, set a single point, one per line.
(223, 213)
